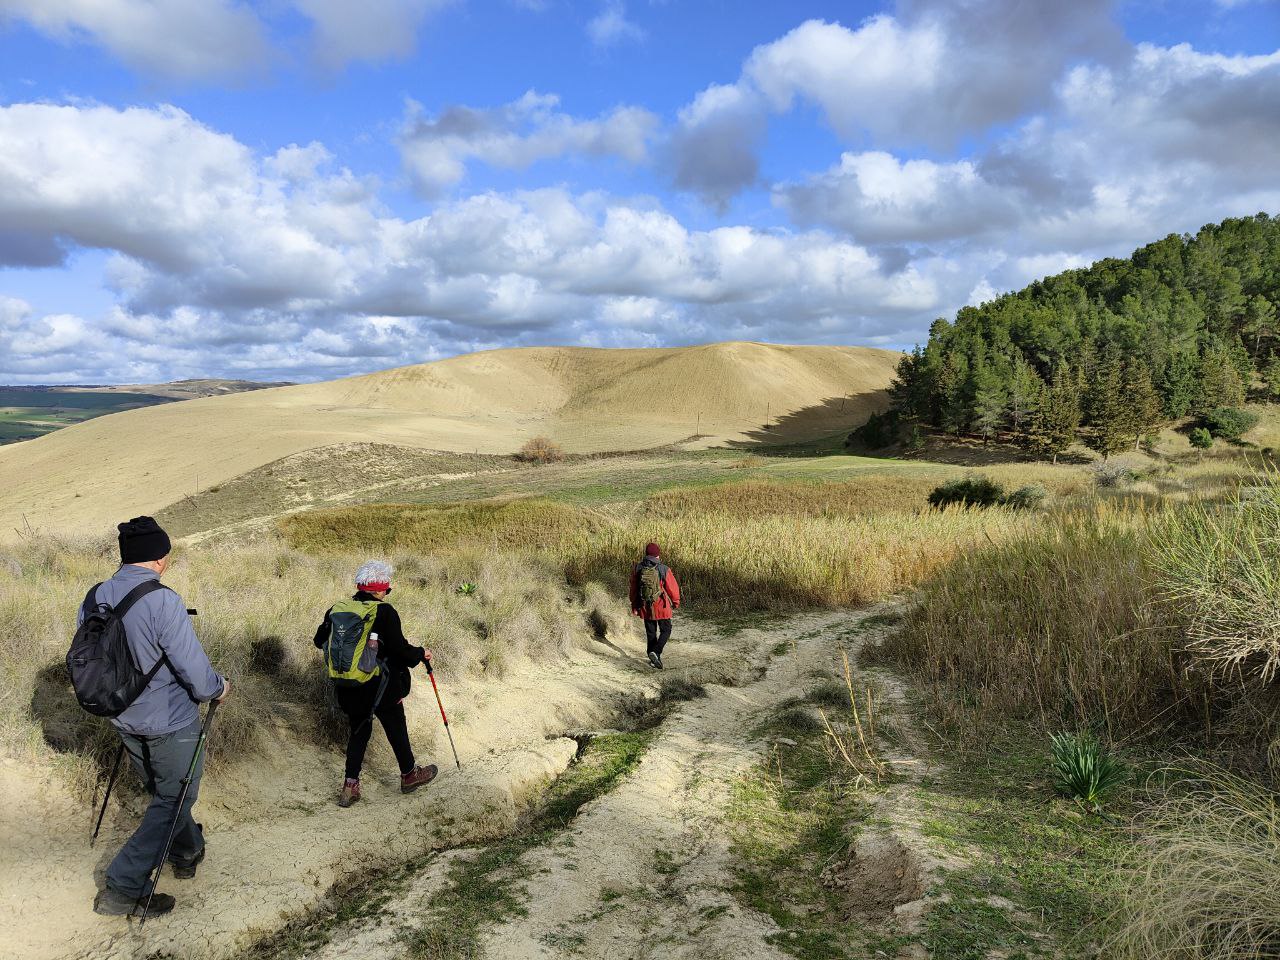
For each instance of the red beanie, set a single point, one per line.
(652, 550)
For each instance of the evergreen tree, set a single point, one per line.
(990, 403)
(1180, 383)
(1109, 417)
(1260, 324)
(1220, 384)
(1057, 417)
(1025, 391)
(1145, 409)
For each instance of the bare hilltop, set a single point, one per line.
(588, 400)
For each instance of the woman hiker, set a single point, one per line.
(368, 659)
(654, 595)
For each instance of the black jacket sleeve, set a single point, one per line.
(391, 640)
(322, 632)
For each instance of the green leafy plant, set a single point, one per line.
(1027, 498)
(1229, 423)
(466, 589)
(1084, 769)
(971, 491)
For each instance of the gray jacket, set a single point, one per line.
(158, 625)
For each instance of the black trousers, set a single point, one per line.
(657, 632)
(357, 704)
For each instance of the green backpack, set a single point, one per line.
(650, 583)
(349, 657)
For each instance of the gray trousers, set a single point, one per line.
(162, 763)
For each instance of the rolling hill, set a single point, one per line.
(90, 475)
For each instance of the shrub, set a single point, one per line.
(541, 450)
(1229, 423)
(880, 430)
(971, 491)
(1084, 769)
(1108, 474)
(1200, 438)
(1027, 498)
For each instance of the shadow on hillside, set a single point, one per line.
(65, 726)
(819, 421)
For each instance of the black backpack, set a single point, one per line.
(103, 672)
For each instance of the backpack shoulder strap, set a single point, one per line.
(90, 599)
(136, 594)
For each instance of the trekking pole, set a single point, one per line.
(431, 673)
(115, 769)
(177, 813)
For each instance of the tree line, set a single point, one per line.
(1106, 355)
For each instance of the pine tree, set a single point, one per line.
(1109, 418)
(1220, 384)
(1025, 391)
(1180, 383)
(1145, 410)
(1259, 323)
(1057, 418)
(990, 403)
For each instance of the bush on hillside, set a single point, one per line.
(975, 490)
(1229, 423)
(1110, 475)
(1200, 438)
(880, 430)
(541, 450)
(1027, 498)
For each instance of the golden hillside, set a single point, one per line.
(589, 400)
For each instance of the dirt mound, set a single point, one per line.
(879, 875)
(587, 400)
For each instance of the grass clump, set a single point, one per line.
(1084, 769)
(1202, 884)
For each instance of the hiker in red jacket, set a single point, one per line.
(654, 595)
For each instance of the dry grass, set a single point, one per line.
(1202, 883)
(259, 609)
(541, 450)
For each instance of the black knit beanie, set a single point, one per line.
(141, 539)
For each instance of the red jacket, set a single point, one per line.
(667, 601)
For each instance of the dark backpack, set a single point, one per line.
(103, 671)
(649, 580)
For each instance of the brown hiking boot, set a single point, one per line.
(350, 793)
(417, 777)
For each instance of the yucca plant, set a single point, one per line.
(1084, 769)
(466, 589)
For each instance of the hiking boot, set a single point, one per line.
(350, 793)
(186, 871)
(655, 660)
(113, 903)
(417, 777)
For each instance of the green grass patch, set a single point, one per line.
(1026, 846)
(488, 889)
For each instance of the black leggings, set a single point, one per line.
(357, 703)
(657, 632)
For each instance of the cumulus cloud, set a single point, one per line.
(436, 149)
(1169, 140)
(285, 265)
(182, 39)
(370, 30)
(933, 73)
(206, 40)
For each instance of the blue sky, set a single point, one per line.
(304, 189)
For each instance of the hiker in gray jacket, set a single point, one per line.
(161, 727)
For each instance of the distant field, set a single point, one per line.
(29, 412)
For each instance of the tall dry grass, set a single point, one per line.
(1065, 625)
(1202, 883)
(259, 607)
(750, 546)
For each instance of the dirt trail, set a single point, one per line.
(273, 849)
(646, 870)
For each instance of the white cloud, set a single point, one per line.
(182, 39)
(226, 262)
(436, 150)
(611, 25)
(370, 30)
